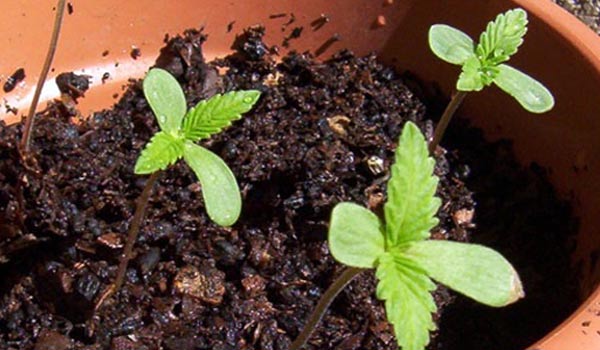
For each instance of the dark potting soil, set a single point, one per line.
(322, 132)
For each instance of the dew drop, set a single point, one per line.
(248, 100)
(535, 98)
(162, 119)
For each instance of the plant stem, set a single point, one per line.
(25, 140)
(134, 230)
(440, 129)
(326, 299)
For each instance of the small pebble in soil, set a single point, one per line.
(230, 26)
(463, 217)
(72, 84)
(295, 34)
(206, 283)
(105, 77)
(111, 240)
(14, 79)
(320, 22)
(327, 44)
(50, 340)
(375, 164)
(135, 52)
(277, 15)
(338, 124)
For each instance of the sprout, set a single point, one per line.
(180, 129)
(483, 64)
(404, 259)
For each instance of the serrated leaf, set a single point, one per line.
(473, 270)
(219, 187)
(213, 115)
(411, 205)
(165, 96)
(470, 78)
(355, 235)
(530, 93)
(408, 301)
(450, 44)
(162, 150)
(474, 76)
(502, 37)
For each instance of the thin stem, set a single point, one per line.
(440, 129)
(134, 230)
(25, 140)
(346, 277)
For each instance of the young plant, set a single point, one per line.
(483, 64)
(405, 261)
(180, 129)
(179, 132)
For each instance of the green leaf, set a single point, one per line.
(450, 44)
(411, 204)
(355, 235)
(470, 78)
(162, 150)
(473, 270)
(530, 93)
(213, 115)
(408, 301)
(219, 188)
(502, 37)
(166, 99)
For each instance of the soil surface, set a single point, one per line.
(322, 132)
(588, 11)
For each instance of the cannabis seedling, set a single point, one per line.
(404, 259)
(483, 64)
(179, 130)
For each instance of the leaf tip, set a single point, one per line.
(252, 96)
(516, 291)
(141, 168)
(226, 219)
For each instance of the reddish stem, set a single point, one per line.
(134, 230)
(26, 139)
(440, 129)
(326, 299)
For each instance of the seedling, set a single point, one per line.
(404, 259)
(180, 129)
(483, 64)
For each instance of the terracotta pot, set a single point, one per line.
(559, 51)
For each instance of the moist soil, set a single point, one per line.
(322, 133)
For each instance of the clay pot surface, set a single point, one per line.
(99, 36)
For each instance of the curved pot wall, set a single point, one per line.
(560, 51)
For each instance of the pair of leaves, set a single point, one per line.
(483, 64)
(180, 129)
(405, 261)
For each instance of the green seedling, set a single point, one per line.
(483, 64)
(405, 260)
(180, 129)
